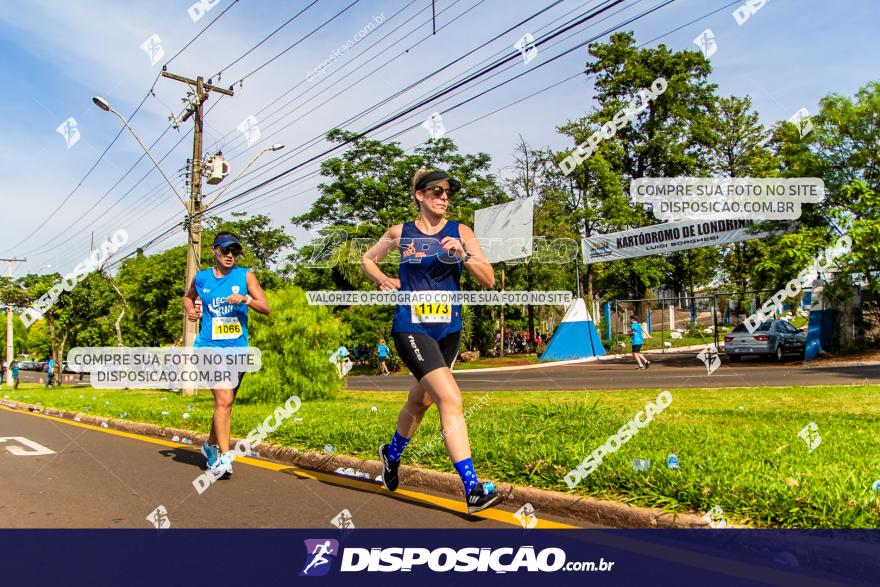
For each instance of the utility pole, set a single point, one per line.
(10, 353)
(195, 206)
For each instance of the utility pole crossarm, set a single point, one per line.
(193, 82)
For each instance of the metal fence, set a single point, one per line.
(691, 320)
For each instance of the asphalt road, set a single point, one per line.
(679, 370)
(40, 376)
(102, 478)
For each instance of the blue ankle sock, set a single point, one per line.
(466, 471)
(395, 448)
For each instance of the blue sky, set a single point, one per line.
(57, 56)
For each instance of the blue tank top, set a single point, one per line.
(425, 266)
(223, 325)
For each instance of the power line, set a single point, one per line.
(354, 117)
(362, 76)
(560, 30)
(266, 38)
(301, 148)
(119, 133)
(250, 190)
(296, 43)
(449, 89)
(178, 53)
(270, 103)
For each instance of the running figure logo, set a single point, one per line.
(526, 516)
(810, 435)
(434, 125)
(343, 520)
(801, 119)
(706, 42)
(526, 47)
(153, 48)
(715, 517)
(250, 129)
(710, 358)
(68, 129)
(317, 553)
(159, 518)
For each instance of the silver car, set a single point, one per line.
(773, 338)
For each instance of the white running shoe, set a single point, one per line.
(222, 469)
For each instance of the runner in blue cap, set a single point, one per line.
(226, 292)
(433, 252)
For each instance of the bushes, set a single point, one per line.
(296, 341)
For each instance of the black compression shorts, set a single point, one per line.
(422, 354)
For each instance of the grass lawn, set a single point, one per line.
(750, 461)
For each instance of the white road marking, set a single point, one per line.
(37, 449)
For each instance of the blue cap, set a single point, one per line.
(225, 241)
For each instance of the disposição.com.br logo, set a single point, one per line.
(321, 552)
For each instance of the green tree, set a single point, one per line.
(667, 139)
(72, 313)
(369, 184)
(843, 148)
(262, 243)
(153, 288)
(13, 295)
(295, 341)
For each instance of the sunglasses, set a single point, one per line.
(438, 191)
(236, 251)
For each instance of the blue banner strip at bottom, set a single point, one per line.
(213, 558)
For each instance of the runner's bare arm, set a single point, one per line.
(476, 263)
(259, 303)
(189, 306)
(371, 259)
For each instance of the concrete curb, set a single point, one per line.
(595, 511)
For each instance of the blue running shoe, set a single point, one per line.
(211, 452)
(389, 469)
(482, 496)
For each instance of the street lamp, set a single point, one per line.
(275, 147)
(105, 106)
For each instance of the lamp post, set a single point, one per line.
(105, 106)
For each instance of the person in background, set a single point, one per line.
(382, 351)
(341, 355)
(50, 373)
(15, 371)
(635, 331)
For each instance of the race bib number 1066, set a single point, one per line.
(225, 328)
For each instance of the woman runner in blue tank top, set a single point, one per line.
(433, 251)
(226, 293)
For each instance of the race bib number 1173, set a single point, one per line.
(431, 313)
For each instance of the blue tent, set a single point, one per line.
(576, 336)
(821, 322)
